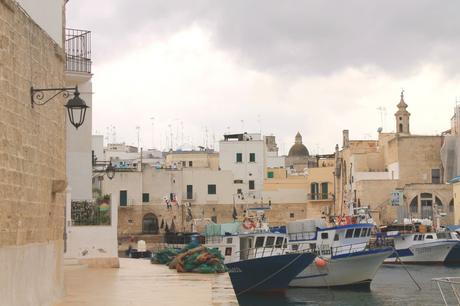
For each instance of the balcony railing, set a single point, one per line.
(321, 196)
(78, 50)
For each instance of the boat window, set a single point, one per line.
(364, 232)
(270, 241)
(295, 247)
(284, 243)
(312, 246)
(429, 237)
(415, 237)
(336, 237)
(228, 251)
(279, 242)
(229, 240)
(357, 232)
(443, 236)
(369, 232)
(324, 236)
(420, 237)
(259, 242)
(349, 233)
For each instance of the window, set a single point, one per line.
(190, 163)
(270, 241)
(295, 247)
(212, 189)
(324, 191)
(415, 237)
(413, 207)
(279, 242)
(150, 224)
(239, 191)
(336, 237)
(145, 197)
(291, 215)
(237, 181)
(436, 176)
(251, 185)
(229, 240)
(429, 237)
(270, 174)
(400, 127)
(214, 219)
(259, 242)
(364, 232)
(183, 163)
(451, 205)
(189, 192)
(349, 233)
(228, 251)
(252, 157)
(239, 157)
(324, 236)
(314, 191)
(123, 197)
(420, 237)
(357, 232)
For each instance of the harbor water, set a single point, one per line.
(392, 285)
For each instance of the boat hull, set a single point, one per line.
(267, 274)
(427, 253)
(453, 258)
(354, 270)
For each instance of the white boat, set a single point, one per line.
(345, 256)
(257, 260)
(420, 248)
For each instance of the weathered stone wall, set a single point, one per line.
(130, 218)
(32, 161)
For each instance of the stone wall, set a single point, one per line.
(130, 218)
(32, 162)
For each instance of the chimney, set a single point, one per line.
(346, 138)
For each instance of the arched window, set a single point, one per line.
(150, 224)
(400, 127)
(426, 201)
(314, 191)
(451, 205)
(413, 207)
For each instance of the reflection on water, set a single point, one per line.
(391, 286)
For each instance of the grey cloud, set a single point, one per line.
(300, 37)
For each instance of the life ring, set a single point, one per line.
(249, 224)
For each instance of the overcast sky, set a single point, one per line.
(279, 67)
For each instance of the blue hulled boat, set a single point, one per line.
(267, 274)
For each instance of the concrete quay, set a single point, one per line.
(137, 282)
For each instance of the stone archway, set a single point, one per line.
(150, 224)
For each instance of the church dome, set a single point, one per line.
(298, 149)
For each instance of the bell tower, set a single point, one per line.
(402, 117)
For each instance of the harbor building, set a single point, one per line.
(399, 175)
(33, 153)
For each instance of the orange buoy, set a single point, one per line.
(320, 263)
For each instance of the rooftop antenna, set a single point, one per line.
(153, 131)
(382, 111)
(206, 135)
(138, 129)
(171, 136)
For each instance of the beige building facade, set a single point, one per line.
(33, 158)
(397, 176)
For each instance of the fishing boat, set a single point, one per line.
(346, 258)
(453, 258)
(257, 259)
(417, 243)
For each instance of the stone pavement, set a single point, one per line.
(137, 283)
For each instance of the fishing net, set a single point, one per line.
(192, 258)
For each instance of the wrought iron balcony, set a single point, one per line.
(78, 50)
(321, 196)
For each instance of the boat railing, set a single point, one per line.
(260, 252)
(301, 236)
(446, 285)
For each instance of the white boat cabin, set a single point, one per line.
(328, 241)
(247, 246)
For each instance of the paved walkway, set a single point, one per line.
(138, 283)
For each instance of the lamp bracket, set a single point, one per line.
(37, 95)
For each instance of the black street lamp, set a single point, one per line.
(76, 107)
